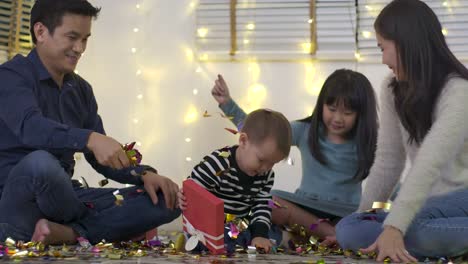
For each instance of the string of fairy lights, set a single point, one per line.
(256, 92)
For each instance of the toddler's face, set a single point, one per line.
(258, 158)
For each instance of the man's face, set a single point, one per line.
(61, 50)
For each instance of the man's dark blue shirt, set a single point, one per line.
(37, 114)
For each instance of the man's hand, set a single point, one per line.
(154, 182)
(263, 243)
(108, 151)
(220, 91)
(390, 243)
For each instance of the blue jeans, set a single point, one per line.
(38, 187)
(440, 229)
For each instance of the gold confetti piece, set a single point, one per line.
(313, 240)
(103, 183)
(180, 242)
(10, 242)
(381, 205)
(224, 154)
(205, 114)
(219, 173)
(229, 218)
(119, 199)
(20, 254)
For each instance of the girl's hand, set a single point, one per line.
(263, 243)
(390, 244)
(181, 201)
(220, 91)
(329, 241)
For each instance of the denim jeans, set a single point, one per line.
(38, 187)
(440, 229)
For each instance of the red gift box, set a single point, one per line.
(204, 216)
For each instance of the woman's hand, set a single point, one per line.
(390, 244)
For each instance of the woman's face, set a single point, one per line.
(390, 56)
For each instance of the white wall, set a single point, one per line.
(168, 77)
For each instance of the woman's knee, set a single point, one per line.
(358, 230)
(346, 230)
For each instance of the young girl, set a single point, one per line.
(337, 144)
(423, 115)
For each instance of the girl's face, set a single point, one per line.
(390, 55)
(338, 120)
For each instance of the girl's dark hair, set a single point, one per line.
(356, 92)
(424, 60)
(51, 12)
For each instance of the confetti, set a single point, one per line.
(224, 154)
(118, 198)
(275, 204)
(219, 173)
(314, 226)
(233, 131)
(103, 183)
(205, 114)
(133, 154)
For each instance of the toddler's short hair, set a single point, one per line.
(264, 123)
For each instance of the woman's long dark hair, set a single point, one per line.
(424, 60)
(356, 92)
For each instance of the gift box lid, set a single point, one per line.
(204, 210)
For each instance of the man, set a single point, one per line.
(47, 113)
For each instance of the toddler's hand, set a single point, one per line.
(181, 201)
(263, 243)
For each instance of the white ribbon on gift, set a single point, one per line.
(201, 235)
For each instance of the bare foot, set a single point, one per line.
(41, 231)
(49, 232)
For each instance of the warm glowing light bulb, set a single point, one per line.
(250, 26)
(366, 34)
(188, 140)
(204, 57)
(306, 47)
(202, 32)
(357, 55)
